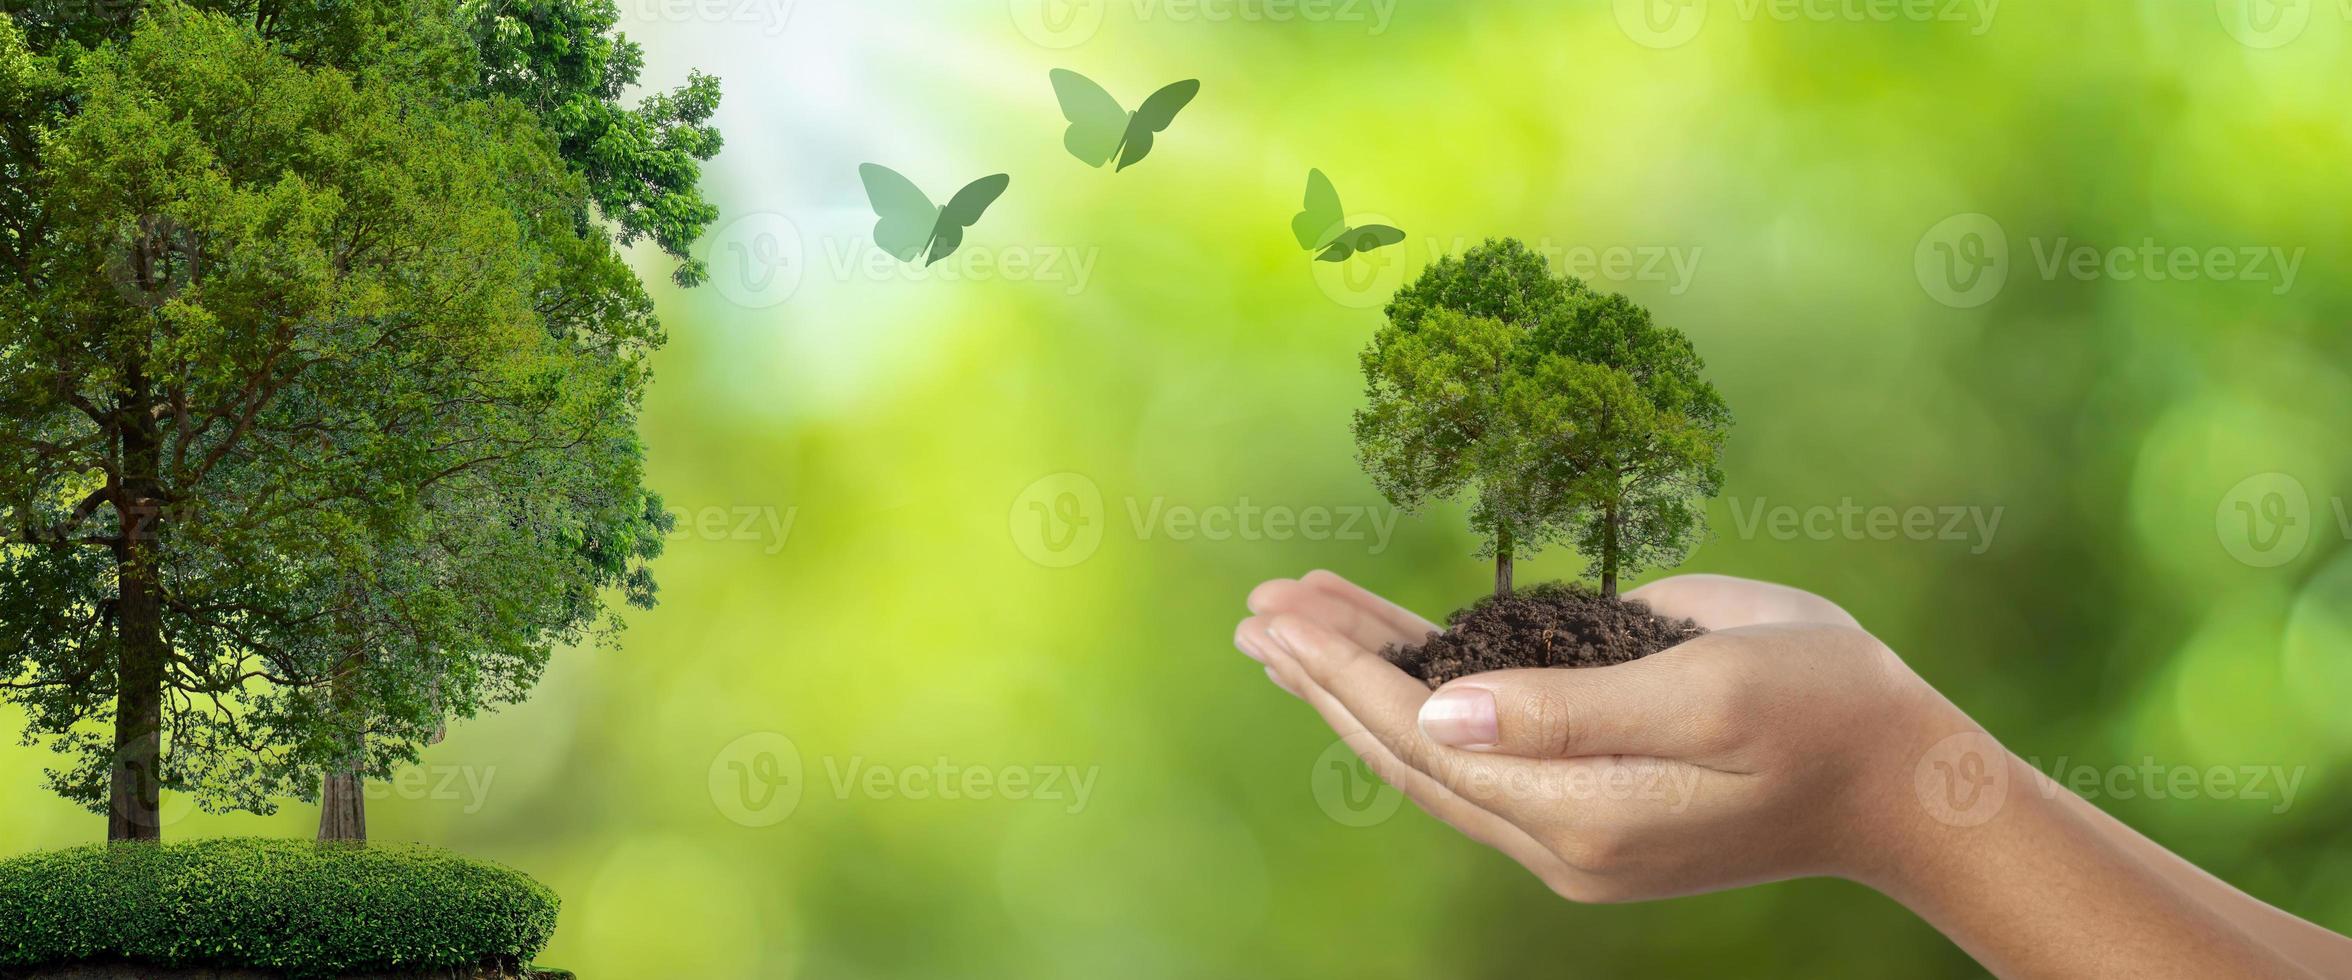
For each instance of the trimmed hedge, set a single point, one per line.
(301, 908)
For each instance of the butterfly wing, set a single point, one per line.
(1097, 123)
(963, 211)
(1357, 241)
(1322, 221)
(1370, 237)
(1155, 115)
(906, 216)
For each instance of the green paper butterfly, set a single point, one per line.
(911, 224)
(1322, 227)
(1100, 129)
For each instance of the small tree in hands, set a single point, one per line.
(1560, 413)
(1640, 438)
(1448, 396)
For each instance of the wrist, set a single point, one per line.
(1934, 787)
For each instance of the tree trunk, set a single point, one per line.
(343, 800)
(343, 807)
(1609, 551)
(1502, 560)
(133, 801)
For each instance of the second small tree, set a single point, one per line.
(1557, 411)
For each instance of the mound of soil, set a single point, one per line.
(1550, 625)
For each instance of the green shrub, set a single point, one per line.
(301, 908)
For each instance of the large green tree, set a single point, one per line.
(261, 318)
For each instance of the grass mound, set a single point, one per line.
(297, 908)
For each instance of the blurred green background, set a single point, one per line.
(1865, 215)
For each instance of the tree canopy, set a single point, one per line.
(318, 386)
(1558, 411)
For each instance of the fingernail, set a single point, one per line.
(1248, 648)
(1463, 717)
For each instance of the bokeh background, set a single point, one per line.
(937, 522)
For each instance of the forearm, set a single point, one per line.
(2316, 949)
(2035, 887)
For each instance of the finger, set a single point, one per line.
(1431, 796)
(1374, 691)
(1362, 626)
(1721, 602)
(1398, 618)
(1538, 796)
(1250, 638)
(1662, 707)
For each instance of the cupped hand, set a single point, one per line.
(1779, 745)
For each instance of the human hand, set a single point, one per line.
(1779, 745)
(1786, 743)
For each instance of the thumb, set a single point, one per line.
(1666, 707)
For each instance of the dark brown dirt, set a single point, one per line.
(1550, 625)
